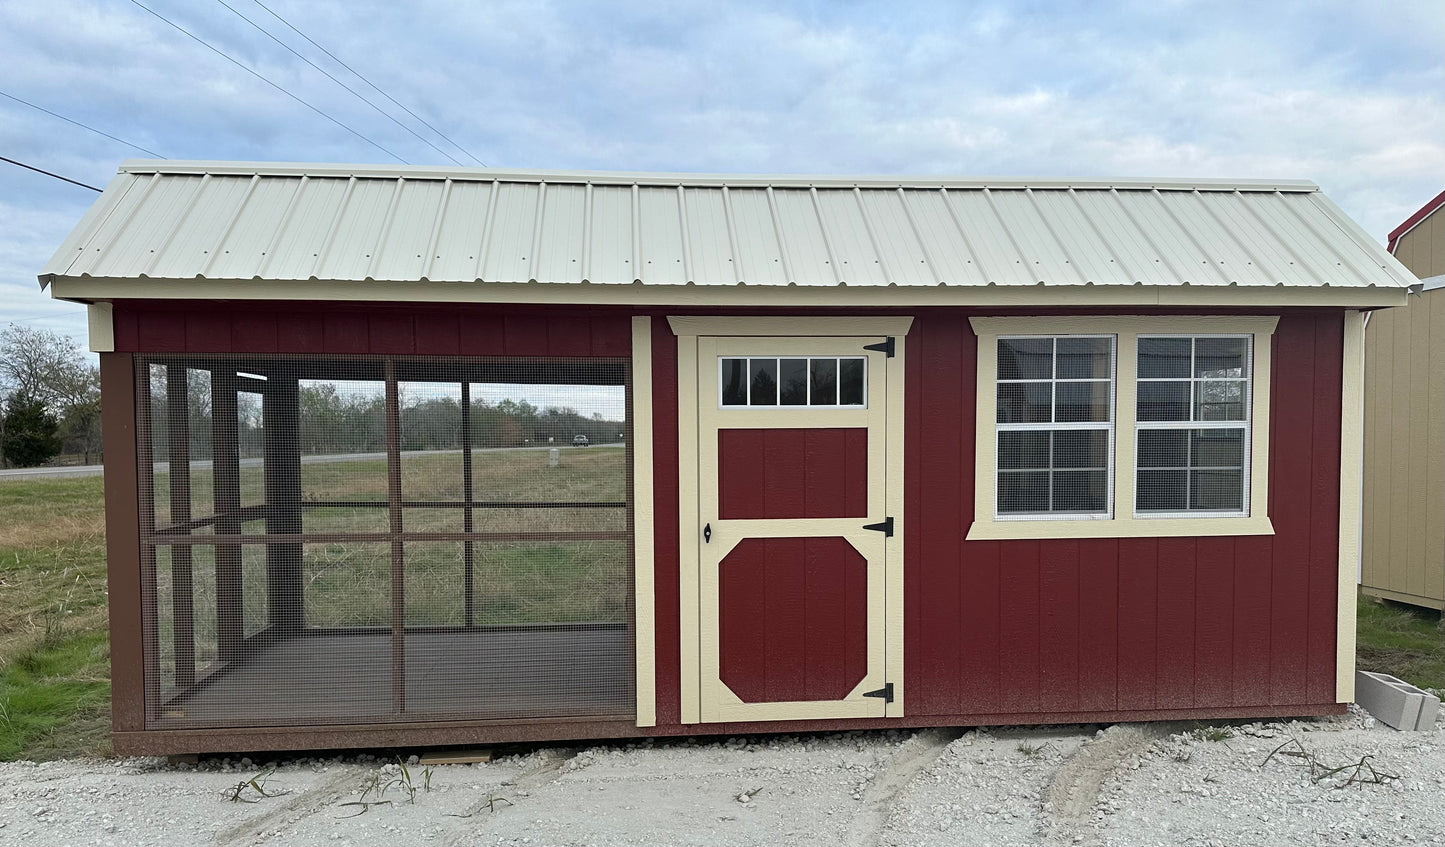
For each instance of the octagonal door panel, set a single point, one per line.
(793, 536)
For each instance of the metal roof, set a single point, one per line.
(259, 221)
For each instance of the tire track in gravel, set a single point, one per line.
(546, 770)
(1075, 789)
(309, 802)
(913, 757)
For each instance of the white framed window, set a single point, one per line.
(1192, 421)
(1054, 423)
(1122, 426)
(830, 382)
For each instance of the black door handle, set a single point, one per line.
(707, 533)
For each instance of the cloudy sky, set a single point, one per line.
(1348, 94)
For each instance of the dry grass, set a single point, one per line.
(54, 650)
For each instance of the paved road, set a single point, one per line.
(205, 464)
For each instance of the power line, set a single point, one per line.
(353, 92)
(370, 83)
(48, 173)
(81, 125)
(257, 75)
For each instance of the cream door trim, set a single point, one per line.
(643, 524)
(1352, 454)
(1123, 524)
(796, 329)
(789, 327)
(718, 702)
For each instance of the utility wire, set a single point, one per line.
(48, 173)
(81, 125)
(370, 83)
(257, 75)
(354, 93)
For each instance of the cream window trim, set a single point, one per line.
(645, 619)
(1123, 524)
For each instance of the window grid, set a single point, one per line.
(808, 383)
(1193, 423)
(1054, 426)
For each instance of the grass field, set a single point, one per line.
(1404, 641)
(54, 650)
(54, 645)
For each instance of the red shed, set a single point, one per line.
(417, 456)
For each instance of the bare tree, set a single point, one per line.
(52, 368)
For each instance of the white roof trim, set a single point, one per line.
(703, 180)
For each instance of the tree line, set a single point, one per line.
(339, 421)
(49, 398)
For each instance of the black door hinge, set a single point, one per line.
(707, 533)
(886, 527)
(886, 692)
(885, 347)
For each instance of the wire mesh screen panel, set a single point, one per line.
(377, 539)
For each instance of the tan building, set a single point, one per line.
(1403, 552)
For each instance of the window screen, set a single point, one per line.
(1193, 424)
(1054, 426)
(369, 539)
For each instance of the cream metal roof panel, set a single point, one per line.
(946, 246)
(239, 248)
(237, 221)
(137, 237)
(900, 252)
(73, 248)
(611, 243)
(402, 253)
(852, 243)
(991, 242)
(803, 241)
(455, 255)
(760, 253)
(359, 229)
(1079, 235)
(564, 221)
(212, 205)
(660, 236)
(304, 230)
(709, 244)
(510, 244)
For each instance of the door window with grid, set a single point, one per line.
(1192, 425)
(1054, 426)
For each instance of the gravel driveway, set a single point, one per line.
(1136, 784)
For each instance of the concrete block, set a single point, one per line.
(1396, 702)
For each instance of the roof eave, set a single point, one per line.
(1053, 297)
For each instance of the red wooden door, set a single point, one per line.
(792, 480)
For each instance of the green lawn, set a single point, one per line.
(1403, 641)
(54, 645)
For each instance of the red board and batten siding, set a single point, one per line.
(1127, 624)
(1106, 629)
(323, 328)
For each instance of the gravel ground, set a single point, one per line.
(1140, 784)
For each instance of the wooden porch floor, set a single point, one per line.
(475, 675)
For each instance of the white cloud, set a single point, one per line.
(1345, 93)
